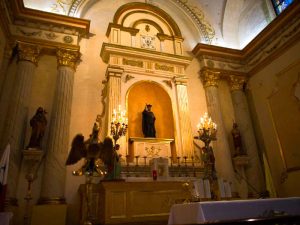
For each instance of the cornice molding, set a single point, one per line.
(36, 16)
(109, 49)
(272, 42)
(131, 30)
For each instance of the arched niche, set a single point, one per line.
(151, 93)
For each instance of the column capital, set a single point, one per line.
(236, 82)
(8, 50)
(28, 52)
(114, 71)
(210, 77)
(67, 57)
(180, 80)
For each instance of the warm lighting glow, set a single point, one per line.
(207, 127)
(119, 116)
(119, 123)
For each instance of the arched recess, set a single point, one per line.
(149, 92)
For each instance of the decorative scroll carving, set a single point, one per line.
(66, 57)
(128, 78)
(68, 39)
(198, 16)
(168, 82)
(51, 35)
(164, 67)
(236, 82)
(210, 77)
(131, 62)
(8, 50)
(28, 52)
(29, 34)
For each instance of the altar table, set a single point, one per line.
(113, 202)
(213, 211)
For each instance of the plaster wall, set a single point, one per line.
(253, 19)
(275, 95)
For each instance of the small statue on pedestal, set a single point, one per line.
(237, 141)
(93, 149)
(38, 124)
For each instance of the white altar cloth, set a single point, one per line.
(213, 211)
(5, 217)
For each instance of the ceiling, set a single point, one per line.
(227, 23)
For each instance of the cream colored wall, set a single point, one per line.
(227, 111)
(277, 108)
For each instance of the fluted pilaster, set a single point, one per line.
(221, 149)
(243, 119)
(184, 117)
(4, 65)
(16, 115)
(113, 75)
(53, 186)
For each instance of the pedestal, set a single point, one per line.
(32, 158)
(240, 162)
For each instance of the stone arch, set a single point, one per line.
(124, 11)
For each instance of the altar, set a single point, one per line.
(137, 200)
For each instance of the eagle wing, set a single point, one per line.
(78, 150)
(106, 153)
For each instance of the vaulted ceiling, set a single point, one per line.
(228, 23)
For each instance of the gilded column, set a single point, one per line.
(221, 149)
(184, 118)
(243, 119)
(53, 184)
(13, 131)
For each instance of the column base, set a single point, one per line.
(49, 214)
(52, 201)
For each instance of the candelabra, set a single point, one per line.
(207, 131)
(118, 128)
(119, 124)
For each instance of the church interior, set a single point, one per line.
(200, 100)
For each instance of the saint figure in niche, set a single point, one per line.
(148, 125)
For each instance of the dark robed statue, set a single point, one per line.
(148, 122)
(38, 124)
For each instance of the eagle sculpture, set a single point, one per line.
(95, 151)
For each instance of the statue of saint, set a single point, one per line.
(237, 141)
(38, 124)
(148, 122)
